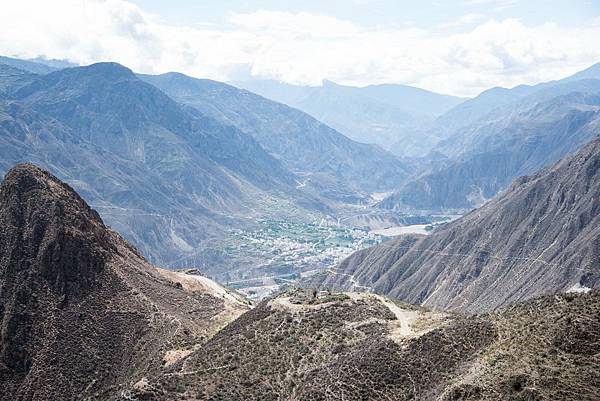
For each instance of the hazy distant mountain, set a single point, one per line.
(393, 116)
(519, 137)
(484, 106)
(35, 67)
(56, 64)
(82, 313)
(168, 177)
(540, 236)
(336, 165)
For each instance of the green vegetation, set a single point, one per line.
(284, 252)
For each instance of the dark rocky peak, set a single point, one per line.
(50, 236)
(81, 311)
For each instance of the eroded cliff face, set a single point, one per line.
(81, 312)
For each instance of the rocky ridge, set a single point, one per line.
(82, 313)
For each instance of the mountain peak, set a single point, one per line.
(108, 68)
(30, 181)
(103, 71)
(78, 302)
(330, 84)
(49, 233)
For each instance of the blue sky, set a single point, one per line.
(425, 14)
(459, 47)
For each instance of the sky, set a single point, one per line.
(459, 47)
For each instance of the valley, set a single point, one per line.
(300, 201)
(284, 252)
(277, 254)
(97, 308)
(261, 196)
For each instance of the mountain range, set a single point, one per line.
(173, 161)
(126, 146)
(176, 163)
(468, 149)
(176, 171)
(319, 154)
(84, 316)
(499, 136)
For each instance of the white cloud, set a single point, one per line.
(295, 25)
(300, 47)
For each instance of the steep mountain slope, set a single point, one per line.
(556, 98)
(334, 163)
(363, 347)
(541, 236)
(521, 139)
(108, 105)
(168, 177)
(81, 312)
(131, 197)
(382, 114)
